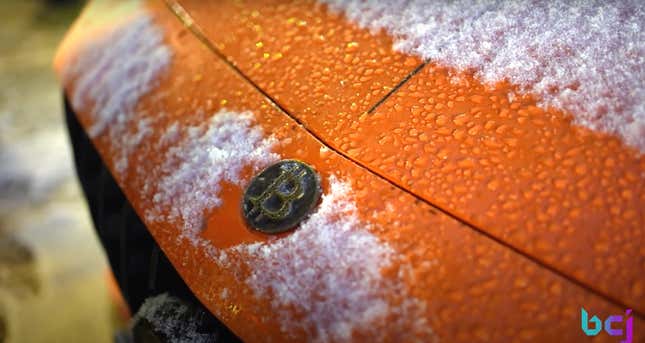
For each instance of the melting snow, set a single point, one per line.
(111, 74)
(174, 319)
(586, 57)
(207, 156)
(329, 269)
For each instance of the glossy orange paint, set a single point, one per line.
(564, 195)
(306, 58)
(474, 287)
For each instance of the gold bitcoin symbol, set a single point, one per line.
(287, 187)
(281, 196)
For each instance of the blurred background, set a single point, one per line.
(53, 274)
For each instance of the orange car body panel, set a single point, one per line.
(508, 222)
(522, 174)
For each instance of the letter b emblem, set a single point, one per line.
(281, 196)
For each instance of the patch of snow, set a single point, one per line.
(174, 319)
(111, 74)
(170, 135)
(224, 294)
(129, 140)
(206, 156)
(330, 271)
(586, 57)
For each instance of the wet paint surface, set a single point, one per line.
(563, 194)
(456, 277)
(303, 56)
(582, 57)
(529, 177)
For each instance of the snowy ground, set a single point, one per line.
(52, 271)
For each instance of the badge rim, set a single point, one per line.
(316, 198)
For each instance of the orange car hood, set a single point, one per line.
(447, 201)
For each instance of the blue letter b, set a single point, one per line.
(597, 324)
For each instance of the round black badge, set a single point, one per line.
(281, 196)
